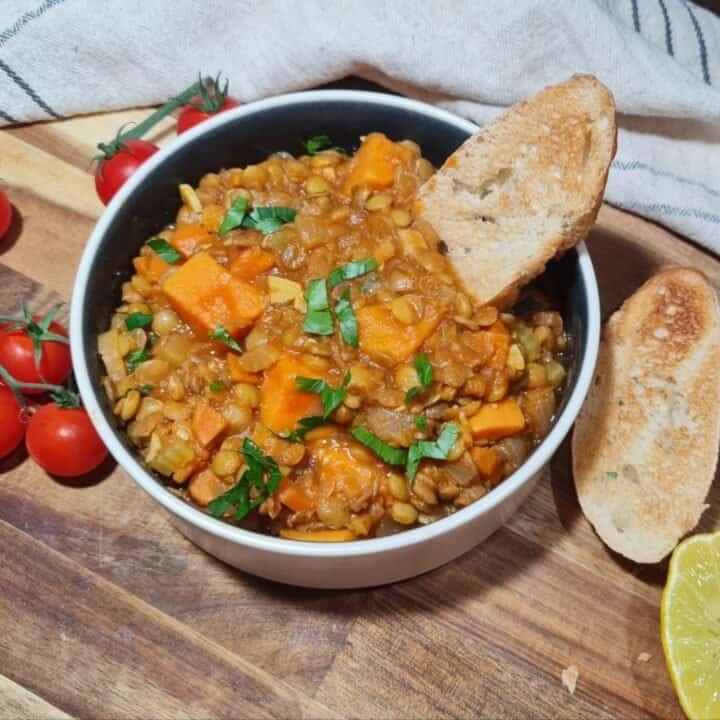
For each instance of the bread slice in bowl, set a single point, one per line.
(525, 188)
(645, 444)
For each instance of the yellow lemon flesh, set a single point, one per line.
(690, 625)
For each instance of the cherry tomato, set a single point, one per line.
(5, 213)
(63, 441)
(190, 116)
(12, 427)
(16, 356)
(111, 173)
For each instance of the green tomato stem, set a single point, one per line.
(17, 386)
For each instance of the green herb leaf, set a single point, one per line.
(268, 219)
(346, 319)
(164, 249)
(388, 453)
(425, 375)
(263, 474)
(318, 143)
(331, 398)
(368, 285)
(306, 425)
(421, 423)
(437, 449)
(135, 358)
(318, 319)
(137, 320)
(217, 386)
(611, 474)
(222, 335)
(351, 270)
(235, 215)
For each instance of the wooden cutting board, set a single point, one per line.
(107, 611)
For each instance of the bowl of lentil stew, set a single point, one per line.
(279, 353)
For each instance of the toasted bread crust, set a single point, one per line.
(525, 188)
(646, 441)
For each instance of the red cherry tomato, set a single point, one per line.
(63, 441)
(17, 357)
(5, 213)
(12, 427)
(111, 173)
(190, 116)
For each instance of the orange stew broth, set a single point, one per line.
(190, 403)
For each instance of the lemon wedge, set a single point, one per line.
(690, 625)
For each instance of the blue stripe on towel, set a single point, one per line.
(671, 211)
(13, 30)
(6, 117)
(701, 43)
(636, 15)
(28, 90)
(668, 28)
(637, 165)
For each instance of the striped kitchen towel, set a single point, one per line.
(661, 58)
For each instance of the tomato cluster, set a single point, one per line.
(35, 360)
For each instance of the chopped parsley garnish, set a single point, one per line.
(217, 386)
(263, 474)
(145, 389)
(421, 423)
(164, 249)
(346, 319)
(135, 358)
(318, 319)
(306, 425)
(268, 219)
(351, 270)
(425, 375)
(437, 449)
(222, 335)
(331, 398)
(137, 320)
(611, 474)
(318, 143)
(390, 454)
(235, 215)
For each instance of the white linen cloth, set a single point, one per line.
(661, 59)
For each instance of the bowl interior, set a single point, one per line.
(239, 140)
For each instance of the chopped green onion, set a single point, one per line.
(318, 319)
(388, 453)
(351, 270)
(164, 249)
(222, 335)
(268, 219)
(346, 319)
(235, 215)
(135, 358)
(425, 375)
(137, 320)
(331, 398)
(437, 449)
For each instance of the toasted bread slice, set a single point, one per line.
(525, 188)
(645, 444)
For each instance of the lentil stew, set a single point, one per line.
(296, 355)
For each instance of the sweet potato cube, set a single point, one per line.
(152, 266)
(188, 238)
(252, 262)
(487, 460)
(238, 374)
(386, 339)
(281, 403)
(375, 163)
(497, 420)
(206, 295)
(295, 496)
(207, 423)
(205, 487)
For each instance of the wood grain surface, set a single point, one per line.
(106, 611)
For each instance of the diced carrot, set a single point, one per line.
(207, 423)
(281, 403)
(375, 163)
(497, 420)
(386, 339)
(318, 535)
(348, 472)
(206, 295)
(487, 460)
(188, 238)
(152, 266)
(237, 374)
(205, 487)
(252, 262)
(295, 496)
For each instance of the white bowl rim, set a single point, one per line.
(267, 543)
